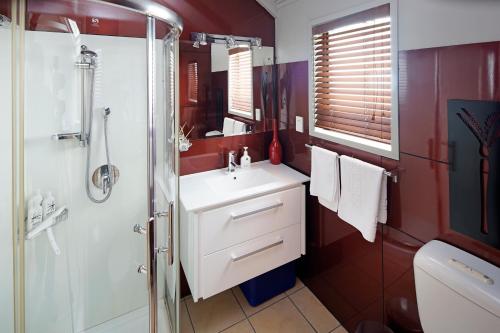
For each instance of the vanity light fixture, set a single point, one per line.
(203, 38)
(230, 42)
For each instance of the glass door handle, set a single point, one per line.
(142, 269)
(140, 229)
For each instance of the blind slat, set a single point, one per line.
(381, 28)
(372, 118)
(322, 108)
(359, 104)
(362, 124)
(240, 80)
(352, 80)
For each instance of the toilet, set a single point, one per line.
(456, 291)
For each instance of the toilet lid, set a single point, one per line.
(469, 276)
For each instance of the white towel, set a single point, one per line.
(360, 197)
(325, 183)
(228, 128)
(239, 127)
(213, 133)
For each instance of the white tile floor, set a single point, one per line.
(297, 310)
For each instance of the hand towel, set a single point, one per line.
(239, 127)
(228, 128)
(325, 177)
(360, 196)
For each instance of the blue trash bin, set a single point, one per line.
(266, 286)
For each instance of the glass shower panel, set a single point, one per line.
(6, 239)
(81, 269)
(166, 183)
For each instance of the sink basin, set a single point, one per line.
(216, 188)
(239, 180)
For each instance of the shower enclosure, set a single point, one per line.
(97, 101)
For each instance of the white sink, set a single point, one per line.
(216, 188)
(240, 180)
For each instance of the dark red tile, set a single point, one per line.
(465, 72)
(332, 300)
(400, 309)
(373, 313)
(419, 202)
(419, 119)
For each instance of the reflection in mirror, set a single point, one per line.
(225, 88)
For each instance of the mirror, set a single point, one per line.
(225, 92)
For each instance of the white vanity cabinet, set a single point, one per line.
(225, 244)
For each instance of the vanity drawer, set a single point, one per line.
(227, 268)
(227, 226)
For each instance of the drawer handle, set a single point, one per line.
(237, 216)
(246, 255)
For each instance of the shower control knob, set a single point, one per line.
(162, 249)
(139, 229)
(142, 269)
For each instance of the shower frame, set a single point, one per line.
(153, 12)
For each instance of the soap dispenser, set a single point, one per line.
(35, 211)
(246, 160)
(49, 205)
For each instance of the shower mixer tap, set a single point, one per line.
(106, 181)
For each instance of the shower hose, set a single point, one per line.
(89, 146)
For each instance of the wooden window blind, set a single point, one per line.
(193, 82)
(352, 75)
(240, 82)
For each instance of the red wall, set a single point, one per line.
(232, 17)
(5, 8)
(358, 280)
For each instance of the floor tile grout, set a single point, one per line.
(237, 301)
(303, 315)
(189, 317)
(248, 317)
(271, 304)
(233, 325)
(340, 325)
(295, 291)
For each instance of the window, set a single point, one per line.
(193, 82)
(354, 87)
(240, 82)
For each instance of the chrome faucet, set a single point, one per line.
(231, 166)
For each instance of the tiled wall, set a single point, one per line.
(358, 280)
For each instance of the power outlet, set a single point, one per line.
(299, 124)
(257, 114)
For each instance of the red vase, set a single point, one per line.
(275, 152)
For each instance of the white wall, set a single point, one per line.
(6, 273)
(95, 278)
(422, 23)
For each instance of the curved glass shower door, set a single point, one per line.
(98, 161)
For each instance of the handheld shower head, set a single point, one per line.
(86, 52)
(107, 112)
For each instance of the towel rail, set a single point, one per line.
(391, 174)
